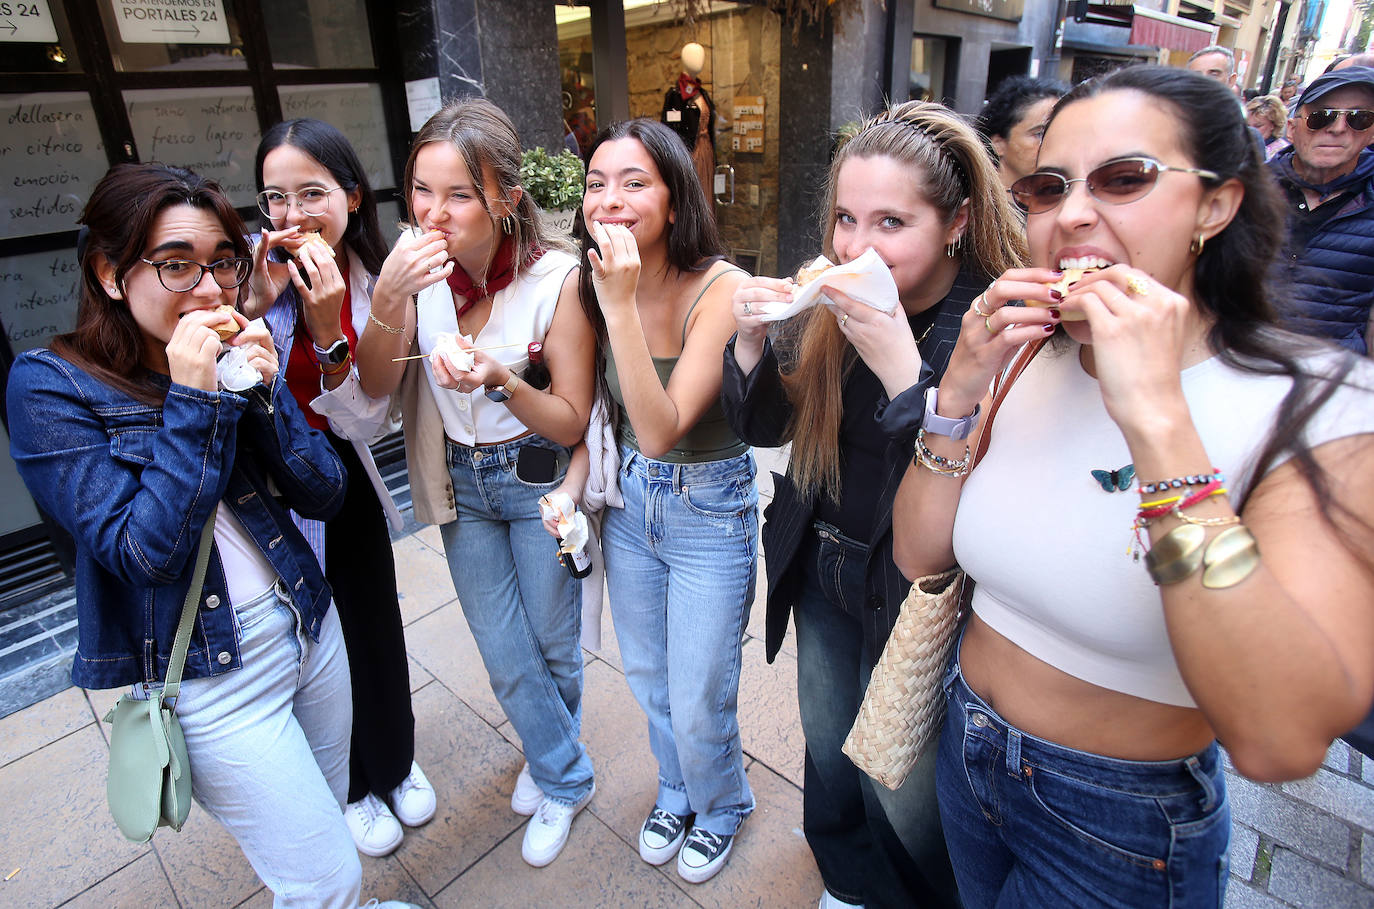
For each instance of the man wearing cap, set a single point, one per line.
(1328, 178)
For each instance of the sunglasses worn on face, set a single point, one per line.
(1116, 183)
(1358, 120)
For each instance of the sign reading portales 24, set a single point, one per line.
(996, 9)
(171, 21)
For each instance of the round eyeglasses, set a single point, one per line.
(1116, 183)
(1358, 120)
(313, 201)
(182, 275)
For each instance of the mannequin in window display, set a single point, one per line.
(689, 111)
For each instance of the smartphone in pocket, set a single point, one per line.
(536, 465)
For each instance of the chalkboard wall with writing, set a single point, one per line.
(356, 111)
(212, 131)
(38, 294)
(51, 157)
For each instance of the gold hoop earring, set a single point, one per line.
(1196, 246)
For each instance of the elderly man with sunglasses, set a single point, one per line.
(1328, 178)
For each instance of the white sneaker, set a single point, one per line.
(831, 901)
(662, 834)
(376, 832)
(703, 855)
(527, 795)
(388, 904)
(413, 801)
(547, 831)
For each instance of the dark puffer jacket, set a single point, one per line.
(1331, 281)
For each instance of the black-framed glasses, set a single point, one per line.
(182, 275)
(1116, 183)
(1358, 120)
(313, 200)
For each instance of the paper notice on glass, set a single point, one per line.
(158, 22)
(29, 22)
(423, 101)
(867, 279)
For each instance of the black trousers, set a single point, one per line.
(362, 572)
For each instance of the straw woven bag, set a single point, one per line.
(904, 706)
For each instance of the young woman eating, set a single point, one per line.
(680, 555)
(846, 385)
(475, 281)
(322, 216)
(1078, 764)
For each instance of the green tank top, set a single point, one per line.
(711, 439)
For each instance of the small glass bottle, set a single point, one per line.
(537, 374)
(578, 563)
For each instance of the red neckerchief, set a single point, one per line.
(499, 275)
(688, 86)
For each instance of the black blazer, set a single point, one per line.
(758, 410)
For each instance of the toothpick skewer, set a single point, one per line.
(488, 347)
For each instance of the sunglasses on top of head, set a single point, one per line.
(1358, 120)
(1116, 183)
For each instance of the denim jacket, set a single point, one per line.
(134, 484)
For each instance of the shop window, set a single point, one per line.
(52, 156)
(311, 34)
(932, 62)
(356, 110)
(212, 131)
(191, 35)
(35, 38)
(575, 61)
(38, 294)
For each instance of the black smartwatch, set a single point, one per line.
(333, 355)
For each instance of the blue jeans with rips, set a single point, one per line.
(522, 606)
(1032, 823)
(873, 845)
(680, 563)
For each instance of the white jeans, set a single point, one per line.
(268, 745)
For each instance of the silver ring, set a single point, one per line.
(843, 319)
(978, 309)
(748, 308)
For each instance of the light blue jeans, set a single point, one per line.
(680, 563)
(524, 609)
(268, 746)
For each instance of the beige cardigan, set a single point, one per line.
(431, 489)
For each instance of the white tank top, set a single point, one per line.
(521, 312)
(1050, 550)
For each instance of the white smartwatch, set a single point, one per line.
(943, 426)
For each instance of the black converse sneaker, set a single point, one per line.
(703, 855)
(662, 835)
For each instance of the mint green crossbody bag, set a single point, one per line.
(149, 785)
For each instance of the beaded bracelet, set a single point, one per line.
(1213, 487)
(1196, 479)
(1175, 507)
(945, 467)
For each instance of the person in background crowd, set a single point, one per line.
(1289, 91)
(1215, 62)
(122, 433)
(1328, 180)
(1268, 115)
(846, 386)
(1013, 120)
(474, 281)
(321, 219)
(681, 553)
(1078, 764)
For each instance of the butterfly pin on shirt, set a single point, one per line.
(1113, 480)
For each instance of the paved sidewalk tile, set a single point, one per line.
(1243, 896)
(1344, 797)
(1296, 880)
(1244, 846)
(138, 885)
(25, 731)
(1290, 822)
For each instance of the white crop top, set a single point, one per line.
(1050, 550)
(521, 312)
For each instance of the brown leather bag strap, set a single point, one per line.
(999, 393)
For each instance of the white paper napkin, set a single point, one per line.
(866, 279)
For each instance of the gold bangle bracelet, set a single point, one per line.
(1229, 559)
(1176, 555)
(389, 329)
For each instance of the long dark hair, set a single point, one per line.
(335, 154)
(1233, 280)
(693, 239)
(118, 218)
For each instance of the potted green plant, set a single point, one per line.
(555, 182)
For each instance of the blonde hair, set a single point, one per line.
(1271, 108)
(951, 164)
(489, 145)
